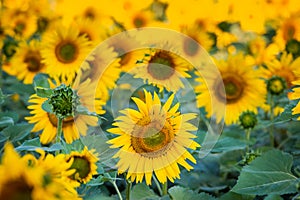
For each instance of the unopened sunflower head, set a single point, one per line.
(64, 101)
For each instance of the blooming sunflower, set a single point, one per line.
(30, 178)
(295, 95)
(162, 68)
(84, 164)
(72, 126)
(153, 139)
(243, 89)
(285, 68)
(64, 51)
(27, 61)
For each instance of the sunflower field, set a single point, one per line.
(150, 99)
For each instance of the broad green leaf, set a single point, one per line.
(41, 80)
(142, 192)
(96, 181)
(232, 196)
(47, 107)
(2, 97)
(268, 174)
(273, 197)
(229, 144)
(286, 115)
(179, 193)
(6, 121)
(43, 92)
(33, 144)
(17, 132)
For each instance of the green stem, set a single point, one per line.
(128, 189)
(59, 131)
(158, 186)
(117, 189)
(248, 132)
(271, 131)
(165, 188)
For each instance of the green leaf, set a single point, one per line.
(142, 192)
(41, 80)
(32, 145)
(17, 132)
(286, 115)
(229, 144)
(6, 121)
(2, 97)
(46, 106)
(179, 193)
(231, 195)
(96, 181)
(267, 174)
(43, 92)
(273, 197)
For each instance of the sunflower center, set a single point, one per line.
(161, 66)
(190, 46)
(66, 52)
(233, 89)
(139, 21)
(82, 167)
(16, 189)
(20, 27)
(152, 139)
(33, 61)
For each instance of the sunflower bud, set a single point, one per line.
(64, 100)
(276, 85)
(248, 119)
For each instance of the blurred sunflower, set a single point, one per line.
(64, 51)
(243, 89)
(285, 68)
(295, 95)
(153, 139)
(84, 164)
(27, 61)
(162, 68)
(28, 178)
(73, 126)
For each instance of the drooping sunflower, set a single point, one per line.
(153, 139)
(241, 88)
(74, 126)
(30, 178)
(65, 51)
(27, 61)
(162, 68)
(84, 164)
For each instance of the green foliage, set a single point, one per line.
(179, 193)
(268, 174)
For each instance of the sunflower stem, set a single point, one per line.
(271, 131)
(59, 131)
(117, 190)
(165, 188)
(248, 132)
(158, 186)
(128, 189)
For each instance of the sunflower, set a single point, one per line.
(162, 68)
(72, 126)
(30, 178)
(27, 61)
(284, 67)
(84, 164)
(240, 88)
(295, 95)
(153, 139)
(64, 51)
(21, 25)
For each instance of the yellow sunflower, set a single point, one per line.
(153, 139)
(243, 89)
(64, 51)
(162, 68)
(84, 164)
(72, 126)
(37, 179)
(27, 61)
(295, 95)
(284, 68)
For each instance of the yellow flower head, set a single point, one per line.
(153, 139)
(84, 164)
(162, 68)
(240, 88)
